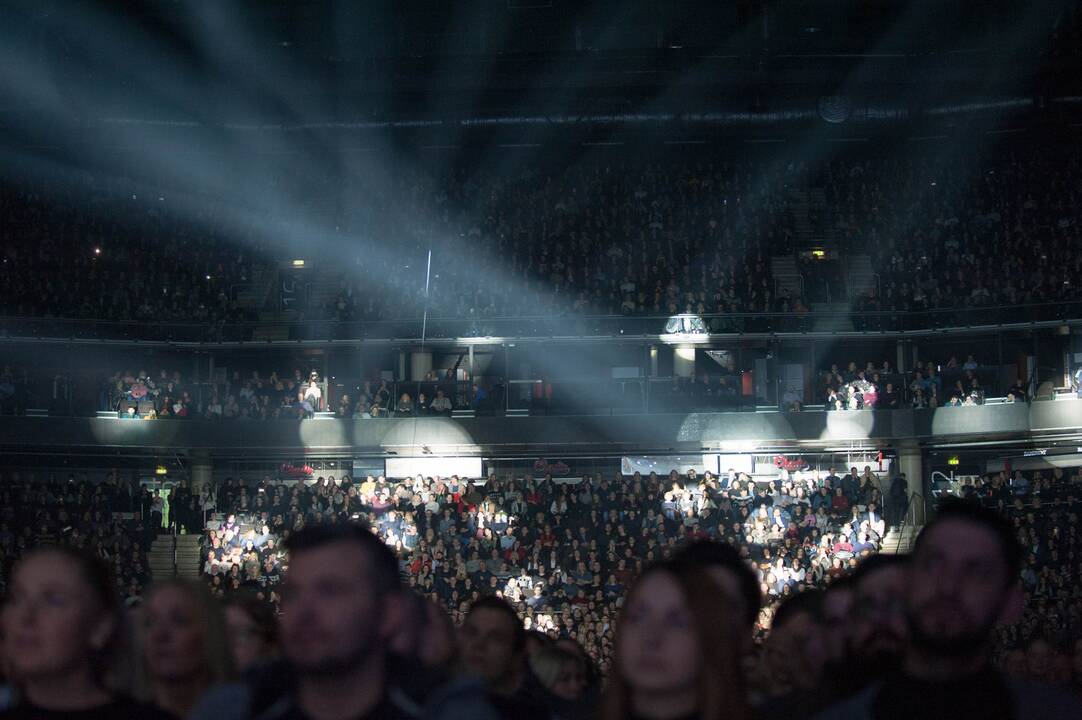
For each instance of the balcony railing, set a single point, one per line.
(561, 326)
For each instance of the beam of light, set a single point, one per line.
(444, 436)
(848, 425)
(231, 165)
(428, 277)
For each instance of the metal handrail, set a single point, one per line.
(82, 322)
(915, 513)
(849, 283)
(786, 276)
(174, 528)
(237, 287)
(566, 325)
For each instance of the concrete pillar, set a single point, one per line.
(420, 364)
(401, 374)
(200, 469)
(683, 362)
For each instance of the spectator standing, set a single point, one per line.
(157, 508)
(889, 400)
(897, 501)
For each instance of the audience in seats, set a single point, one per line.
(928, 385)
(786, 617)
(620, 235)
(169, 395)
(112, 520)
(565, 568)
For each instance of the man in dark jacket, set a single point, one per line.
(897, 501)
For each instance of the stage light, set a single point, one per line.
(97, 251)
(298, 263)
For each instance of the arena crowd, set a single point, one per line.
(619, 236)
(562, 554)
(977, 622)
(168, 395)
(929, 385)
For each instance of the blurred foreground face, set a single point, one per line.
(329, 621)
(1015, 663)
(957, 588)
(1039, 655)
(837, 605)
(49, 625)
(729, 583)
(174, 636)
(879, 632)
(437, 643)
(570, 683)
(658, 651)
(245, 639)
(795, 653)
(488, 645)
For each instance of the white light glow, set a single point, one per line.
(739, 446)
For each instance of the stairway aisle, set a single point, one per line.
(899, 541)
(188, 559)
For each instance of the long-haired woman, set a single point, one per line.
(673, 658)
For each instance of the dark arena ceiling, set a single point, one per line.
(417, 61)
